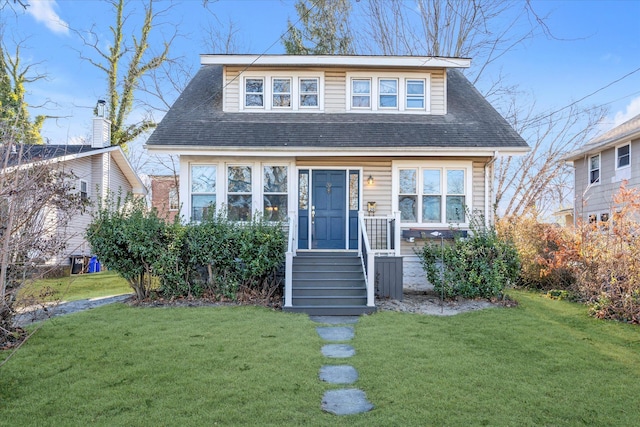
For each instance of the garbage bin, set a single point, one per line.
(94, 265)
(79, 264)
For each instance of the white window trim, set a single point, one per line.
(261, 184)
(187, 206)
(402, 92)
(589, 170)
(265, 82)
(86, 185)
(317, 93)
(617, 158)
(291, 83)
(397, 94)
(443, 165)
(268, 77)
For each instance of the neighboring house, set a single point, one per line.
(600, 167)
(98, 168)
(364, 156)
(164, 195)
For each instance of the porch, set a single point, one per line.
(343, 282)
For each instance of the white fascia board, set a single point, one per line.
(339, 152)
(123, 163)
(599, 147)
(336, 61)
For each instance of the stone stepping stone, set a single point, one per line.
(335, 320)
(336, 333)
(338, 351)
(338, 374)
(346, 402)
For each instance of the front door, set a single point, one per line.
(328, 209)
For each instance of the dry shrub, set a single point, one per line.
(608, 271)
(546, 251)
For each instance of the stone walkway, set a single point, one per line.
(345, 401)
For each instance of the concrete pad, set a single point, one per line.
(336, 333)
(341, 374)
(335, 320)
(337, 351)
(346, 402)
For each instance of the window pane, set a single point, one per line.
(239, 179)
(415, 102)
(309, 85)
(408, 181)
(455, 208)
(389, 86)
(303, 188)
(254, 86)
(415, 87)
(594, 176)
(275, 207)
(353, 191)
(388, 101)
(281, 100)
(361, 86)
(455, 182)
(309, 100)
(623, 156)
(253, 101)
(361, 101)
(595, 162)
(203, 179)
(431, 208)
(431, 182)
(281, 86)
(275, 179)
(239, 207)
(202, 205)
(407, 205)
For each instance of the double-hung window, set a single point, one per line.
(281, 92)
(361, 93)
(594, 169)
(274, 192)
(203, 191)
(415, 94)
(623, 156)
(432, 194)
(239, 193)
(388, 93)
(84, 190)
(309, 92)
(174, 200)
(254, 92)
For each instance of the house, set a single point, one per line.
(601, 165)
(363, 156)
(98, 169)
(164, 195)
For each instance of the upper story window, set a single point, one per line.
(264, 92)
(309, 92)
(594, 169)
(388, 92)
(281, 92)
(203, 190)
(84, 189)
(623, 156)
(361, 93)
(254, 92)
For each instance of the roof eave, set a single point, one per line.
(603, 145)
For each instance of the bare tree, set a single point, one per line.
(134, 58)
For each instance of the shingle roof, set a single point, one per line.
(196, 120)
(35, 153)
(614, 136)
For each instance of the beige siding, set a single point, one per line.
(334, 91)
(438, 97)
(232, 89)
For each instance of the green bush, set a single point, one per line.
(478, 266)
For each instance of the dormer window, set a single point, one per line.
(254, 93)
(388, 93)
(281, 93)
(361, 93)
(415, 94)
(308, 93)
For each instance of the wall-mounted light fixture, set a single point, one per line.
(371, 207)
(370, 180)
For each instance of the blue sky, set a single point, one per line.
(599, 43)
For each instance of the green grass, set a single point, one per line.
(543, 363)
(75, 287)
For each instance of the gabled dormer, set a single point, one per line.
(331, 84)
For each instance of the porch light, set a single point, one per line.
(370, 180)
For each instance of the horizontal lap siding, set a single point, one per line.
(232, 89)
(438, 98)
(334, 91)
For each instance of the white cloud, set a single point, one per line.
(631, 110)
(43, 11)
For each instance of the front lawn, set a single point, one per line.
(543, 363)
(75, 287)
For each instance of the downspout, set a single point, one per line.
(488, 199)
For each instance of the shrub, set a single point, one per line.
(545, 250)
(480, 265)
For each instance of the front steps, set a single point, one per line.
(329, 284)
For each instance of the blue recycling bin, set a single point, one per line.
(94, 265)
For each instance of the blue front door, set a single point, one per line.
(328, 209)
